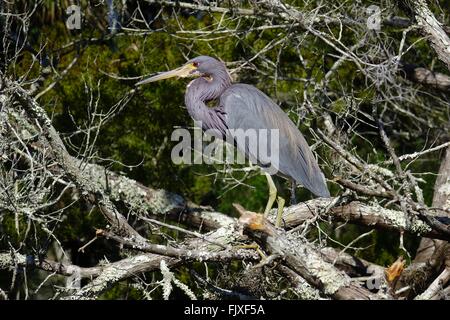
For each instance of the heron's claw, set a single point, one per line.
(255, 246)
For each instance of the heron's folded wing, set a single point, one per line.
(248, 109)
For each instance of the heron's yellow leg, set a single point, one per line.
(272, 194)
(281, 203)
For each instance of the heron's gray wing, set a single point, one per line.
(246, 108)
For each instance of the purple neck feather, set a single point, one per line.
(202, 90)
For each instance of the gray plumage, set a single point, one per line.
(241, 106)
(247, 107)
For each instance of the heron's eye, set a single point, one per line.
(195, 64)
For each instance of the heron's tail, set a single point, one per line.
(319, 187)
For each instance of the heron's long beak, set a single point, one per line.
(181, 72)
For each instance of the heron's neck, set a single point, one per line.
(202, 90)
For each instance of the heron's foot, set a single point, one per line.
(267, 261)
(254, 246)
(281, 203)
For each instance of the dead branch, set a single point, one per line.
(432, 29)
(302, 258)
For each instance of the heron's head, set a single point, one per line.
(202, 66)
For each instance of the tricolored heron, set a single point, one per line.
(242, 106)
